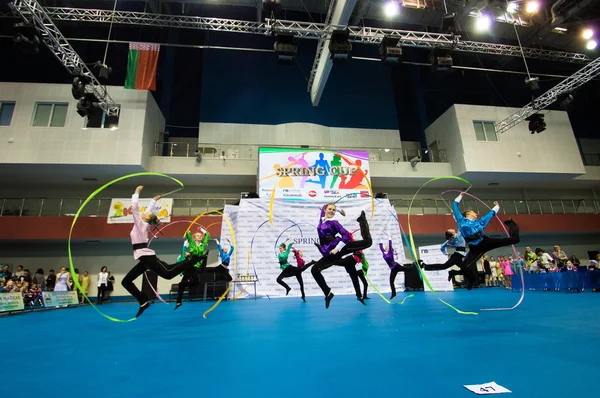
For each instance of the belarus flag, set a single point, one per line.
(141, 66)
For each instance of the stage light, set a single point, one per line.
(483, 22)
(449, 24)
(440, 60)
(391, 8)
(512, 7)
(591, 45)
(532, 7)
(587, 34)
(536, 123)
(566, 102)
(271, 9)
(285, 47)
(339, 45)
(381, 195)
(27, 38)
(389, 50)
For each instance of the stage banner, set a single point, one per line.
(258, 242)
(313, 174)
(11, 302)
(120, 210)
(59, 299)
(438, 279)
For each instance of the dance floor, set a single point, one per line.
(284, 348)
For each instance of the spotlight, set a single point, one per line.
(440, 60)
(533, 83)
(285, 47)
(88, 105)
(27, 38)
(587, 34)
(391, 8)
(449, 24)
(78, 89)
(536, 123)
(483, 22)
(249, 195)
(566, 102)
(104, 72)
(339, 45)
(591, 45)
(532, 7)
(381, 195)
(271, 8)
(512, 7)
(389, 50)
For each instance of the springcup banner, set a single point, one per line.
(58, 299)
(120, 210)
(258, 244)
(313, 174)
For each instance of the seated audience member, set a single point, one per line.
(20, 271)
(569, 267)
(543, 259)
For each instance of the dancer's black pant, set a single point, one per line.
(162, 269)
(487, 244)
(349, 262)
(455, 259)
(290, 271)
(101, 289)
(190, 278)
(361, 275)
(222, 272)
(393, 272)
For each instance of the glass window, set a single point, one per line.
(479, 132)
(485, 131)
(50, 114)
(6, 112)
(100, 120)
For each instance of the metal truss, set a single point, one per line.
(320, 46)
(571, 83)
(32, 12)
(307, 30)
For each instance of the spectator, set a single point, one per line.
(543, 259)
(111, 282)
(20, 271)
(575, 261)
(10, 287)
(569, 267)
(26, 277)
(494, 268)
(85, 283)
(38, 278)
(51, 280)
(102, 284)
(62, 281)
(529, 257)
(559, 257)
(7, 273)
(507, 271)
(487, 269)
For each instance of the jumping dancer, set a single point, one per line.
(453, 239)
(288, 270)
(195, 245)
(338, 250)
(147, 257)
(388, 256)
(472, 229)
(361, 273)
(225, 255)
(300, 259)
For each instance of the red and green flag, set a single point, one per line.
(141, 66)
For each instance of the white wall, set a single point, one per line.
(154, 124)
(553, 151)
(296, 134)
(71, 144)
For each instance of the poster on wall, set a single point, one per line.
(295, 223)
(11, 302)
(60, 299)
(438, 279)
(120, 210)
(313, 174)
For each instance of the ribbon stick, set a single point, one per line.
(172, 192)
(514, 250)
(87, 200)
(413, 248)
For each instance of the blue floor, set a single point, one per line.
(548, 347)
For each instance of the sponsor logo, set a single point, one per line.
(292, 195)
(365, 194)
(312, 193)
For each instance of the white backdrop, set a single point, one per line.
(258, 241)
(438, 279)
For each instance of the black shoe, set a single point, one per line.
(361, 300)
(303, 298)
(287, 291)
(177, 305)
(392, 296)
(362, 216)
(366, 298)
(143, 308)
(328, 299)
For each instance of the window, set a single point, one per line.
(485, 131)
(6, 111)
(100, 120)
(48, 114)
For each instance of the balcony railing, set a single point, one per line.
(192, 206)
(241, 151)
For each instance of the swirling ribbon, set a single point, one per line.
(87, 200)
(415, 254)
(514, 250)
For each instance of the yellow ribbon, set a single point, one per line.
(89, 198)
